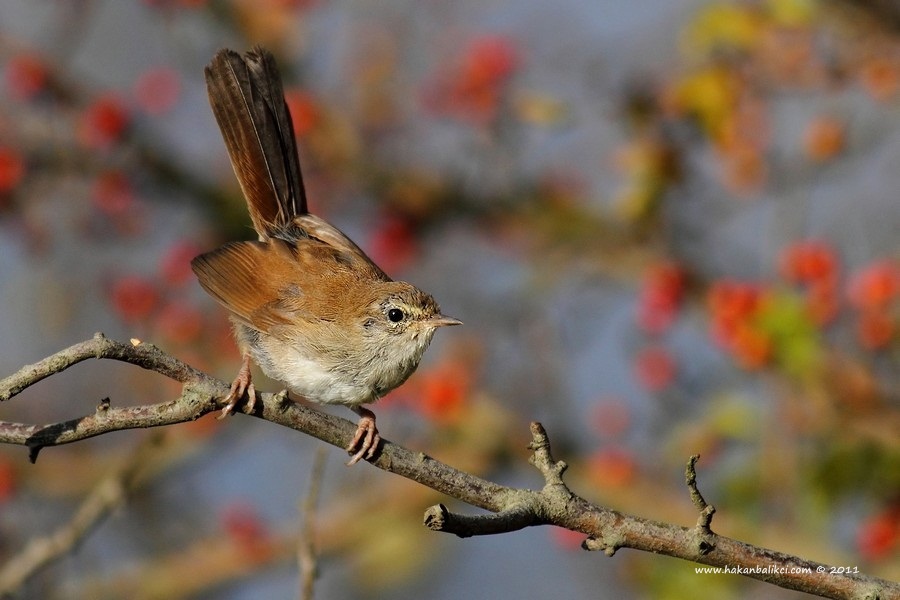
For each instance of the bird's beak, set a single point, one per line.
(442, 321)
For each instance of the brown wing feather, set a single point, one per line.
(248, 102)
(267, 285)
(249, 279)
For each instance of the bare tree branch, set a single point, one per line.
(555, 504)
(136, 353)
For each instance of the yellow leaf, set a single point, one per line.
(710, 94)
(722, 26)
(792, 13)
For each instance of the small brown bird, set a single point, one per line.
(308, 306)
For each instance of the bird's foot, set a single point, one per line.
(366, 440)
(241, 385)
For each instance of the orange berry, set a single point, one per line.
(444, 392)
(751, 347)
(733, 299)
(612, 467)
(824, 138)
(875, 286)
(880, 77)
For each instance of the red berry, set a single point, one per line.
(305, 111)
(9, 481)
(393, 244)
(878, 537)
(12, 169)
(103, 122)
(809, 261)
(26, 76)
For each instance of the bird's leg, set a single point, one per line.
(241, 384)
(366, 440)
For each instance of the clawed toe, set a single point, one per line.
(241, 385)
(234, 397)
(366, 440)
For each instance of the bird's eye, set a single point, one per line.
(395, 315)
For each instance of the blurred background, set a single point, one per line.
(670, 228)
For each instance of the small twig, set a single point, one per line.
(542, 459)
(108, 495)
(706, 539)
(706, 510)
(307, 555)
(519, 508)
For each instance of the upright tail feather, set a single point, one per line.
(247, 99)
